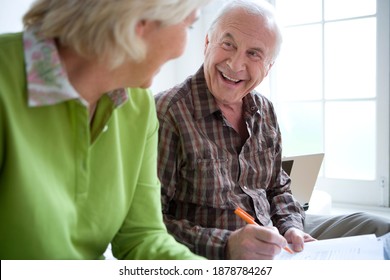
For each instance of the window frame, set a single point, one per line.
(365, 192)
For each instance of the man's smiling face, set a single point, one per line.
(238, 56)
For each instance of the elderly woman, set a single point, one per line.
(78, 129)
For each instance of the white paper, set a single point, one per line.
(362, 247)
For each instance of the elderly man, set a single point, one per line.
(220, 147)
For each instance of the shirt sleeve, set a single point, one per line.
(207, 242)
(143, 235)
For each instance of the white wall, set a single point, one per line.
(11, 12)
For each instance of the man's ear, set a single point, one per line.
(206, 43)
(269, 68)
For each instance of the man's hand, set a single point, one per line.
(254, 242)
(297, 238)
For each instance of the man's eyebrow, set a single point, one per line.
(259, 50)
(228, 35)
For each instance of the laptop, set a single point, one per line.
(303, 171)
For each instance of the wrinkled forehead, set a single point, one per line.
(244, 22)
(245, 27)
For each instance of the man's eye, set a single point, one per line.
(255, 55)
(227, 45)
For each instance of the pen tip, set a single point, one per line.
(288, 250)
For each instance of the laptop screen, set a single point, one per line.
(303, 171)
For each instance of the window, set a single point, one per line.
(330, 87)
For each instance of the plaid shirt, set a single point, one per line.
(206, 172)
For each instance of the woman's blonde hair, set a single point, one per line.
(105, 28)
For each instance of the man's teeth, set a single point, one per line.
(230, 79)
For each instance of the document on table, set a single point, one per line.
(362, 247)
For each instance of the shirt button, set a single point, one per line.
(245, 187)
(105, 128)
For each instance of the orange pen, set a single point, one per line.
(250, 220)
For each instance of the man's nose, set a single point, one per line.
(237, 61)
